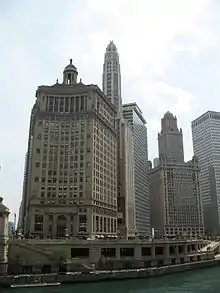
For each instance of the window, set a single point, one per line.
(37, 164)
(38, 151)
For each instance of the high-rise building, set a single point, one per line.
(111, 78)
(206, 141)
(111, 81)
(176, 208)
(133, 115)
(170, 140)
(71, 178)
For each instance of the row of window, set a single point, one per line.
(67, 104)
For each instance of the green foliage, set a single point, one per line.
(101, 262)
(14, 259)
(59, 256)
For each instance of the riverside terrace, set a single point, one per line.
(118, 252)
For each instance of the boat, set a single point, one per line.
(35, 285)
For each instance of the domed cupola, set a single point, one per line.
(70, 74)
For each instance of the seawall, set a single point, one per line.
(97, 276)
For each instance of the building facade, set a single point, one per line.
(133, 115)
(4, 214)
(71, 173)
(126, 191)
(206, 140)
(176, 208)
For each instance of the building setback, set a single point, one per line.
(71, 172)
(206, 141)
(176, 208)
(133, 115)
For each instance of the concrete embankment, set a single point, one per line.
(97, 276)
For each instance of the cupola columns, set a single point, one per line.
(70, 74)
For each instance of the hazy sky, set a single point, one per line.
(169, 55)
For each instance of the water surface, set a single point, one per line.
(200, 281)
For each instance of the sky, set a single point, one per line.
(169, 55)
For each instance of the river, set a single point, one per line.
(200, 281)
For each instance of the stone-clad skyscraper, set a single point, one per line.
(111, 80)
(176, 208)
(71, 175)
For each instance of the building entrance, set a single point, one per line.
(61, 226)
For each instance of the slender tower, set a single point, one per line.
(111, 86)
(111, 79)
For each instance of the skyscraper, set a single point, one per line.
(135, 119)
(206, 141)
(71, 178)
(111, 79)
(176, 208)
(170, 140)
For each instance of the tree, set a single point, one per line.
(59, 256)
(14, 264)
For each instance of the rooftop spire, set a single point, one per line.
(111, 78)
